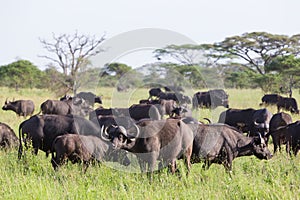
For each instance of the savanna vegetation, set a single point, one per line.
(34, 178)
(247, 65)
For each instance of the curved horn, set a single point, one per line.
(133, 138)
(258, 125)
(105, 136)
(6, 100)
(123, 130)
(208, 120)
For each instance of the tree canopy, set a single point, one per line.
(21, 74)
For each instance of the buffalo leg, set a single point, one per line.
(229, 155)
(173, 166)
(85, 166)
(142, 164)
(187, 158)
(275, 147)
(151, 165)
(206, 165)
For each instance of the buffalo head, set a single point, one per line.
(260, 149)
(6, 105)
(118, 135)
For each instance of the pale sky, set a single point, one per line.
(24, 21)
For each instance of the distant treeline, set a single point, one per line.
(252, 60)
(23, 74)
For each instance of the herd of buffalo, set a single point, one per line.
(158, 130)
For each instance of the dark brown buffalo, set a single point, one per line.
(221, 144)
(136, 112)
(142, 111)
(292, 133)
(175, 96)
(247, 120)
(90, 98)
(8, 138)
(165, 107)
(278, 121)
(41, 130)
(101, 112)
(289, 104)
(164, 140)
(149, 101)
(210, 99)
(83, 148)
(169, 96)
(270, 99)
(154, 92)
(181, 111)
(74, 106)
(108, 120)
(21, 107)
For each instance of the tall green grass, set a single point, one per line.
(34, 178)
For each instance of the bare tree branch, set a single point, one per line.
(71, 52)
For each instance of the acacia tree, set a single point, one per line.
(71, 54)
(258, 49)
(288, 68)
(191, 54)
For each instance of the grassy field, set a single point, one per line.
(34, 178)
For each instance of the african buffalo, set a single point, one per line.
(43, 129)
(101, 112)
(247, 120)
(83, 148)
(181, 112)
(164, 140)
(154, 92)
(210, 99)
(149, 101)
(278, 121)
(142, 111)
(292, 134)
(165, 107)
(8, 138)
(90, 98)
(74, 106)
(219, 143)
(136, 112)
(270, 99)
(108, 120)
(21, 107)
(178, 97)
(289, 104)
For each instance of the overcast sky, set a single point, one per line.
(24, 21)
